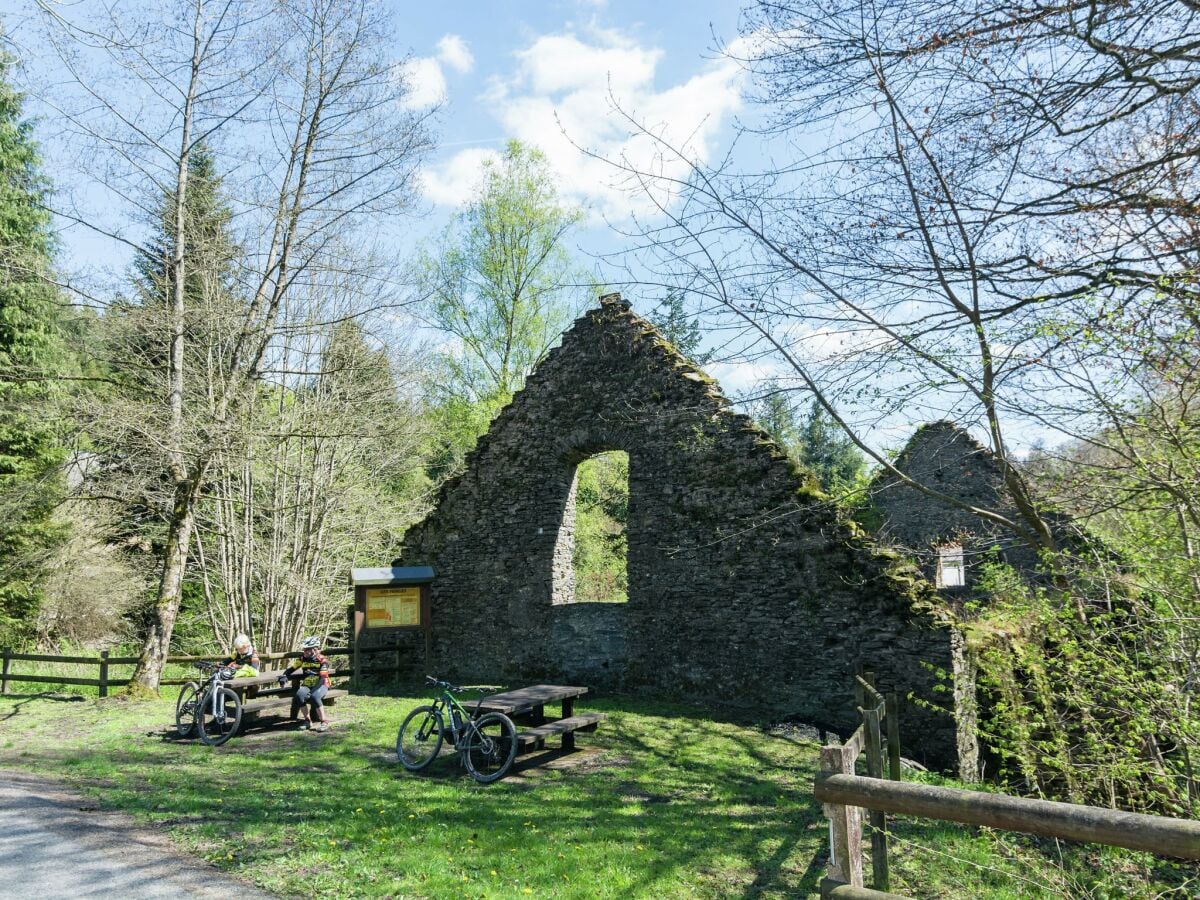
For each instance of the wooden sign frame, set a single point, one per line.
(359, 619)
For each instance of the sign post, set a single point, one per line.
(390, 599)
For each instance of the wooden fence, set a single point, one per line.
(105, 678)
(845, 822)
(845, 795)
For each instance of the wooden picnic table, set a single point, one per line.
(275, 695)
(530, 702)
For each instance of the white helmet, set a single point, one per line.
(310, 643)
(241, 643)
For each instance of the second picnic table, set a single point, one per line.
(528, 704)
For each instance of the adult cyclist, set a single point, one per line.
(314, 668)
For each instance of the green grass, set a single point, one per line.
(662, 801)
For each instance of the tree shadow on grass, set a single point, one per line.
(25, 699)
(658, 804)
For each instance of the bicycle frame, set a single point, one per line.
(460, 729)
(214, 693)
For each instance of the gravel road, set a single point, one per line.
(54, 843)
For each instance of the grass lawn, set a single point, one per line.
(662, 801)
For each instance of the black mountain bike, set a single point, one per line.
(212, 709)
(486, 745)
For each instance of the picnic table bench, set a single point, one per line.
(275, 695)
(528, 705)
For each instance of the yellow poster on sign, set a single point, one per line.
(391, 607)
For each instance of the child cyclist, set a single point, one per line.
(244, 658)
(315, 669)
(244, 661)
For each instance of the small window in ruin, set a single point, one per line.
(601, 495)
(951, 572)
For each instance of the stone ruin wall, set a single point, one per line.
(946, 457)
(744, 589)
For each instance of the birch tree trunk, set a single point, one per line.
(148, 671)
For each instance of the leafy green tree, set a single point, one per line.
(601, 523)
(776, 414)
(672, 320)
(829, 453)
(210, 254)
(501, 282)
(815, 441)
(139, 333)
(32, 353)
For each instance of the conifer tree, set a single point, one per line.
(31, 354)
(139, 335)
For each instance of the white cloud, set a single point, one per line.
(561, 97)
(557, 63)
(834, 345)
(453, 51)
(744, 377)
(453, 182)
(426, 83)
(424, 74)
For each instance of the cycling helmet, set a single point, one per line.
(310, 643)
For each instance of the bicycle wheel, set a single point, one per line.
(420, 738)
(491, 746)
(217, 729)
(185, 709)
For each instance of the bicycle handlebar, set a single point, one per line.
(209, 667)
(452, 688)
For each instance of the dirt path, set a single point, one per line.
(54, 843)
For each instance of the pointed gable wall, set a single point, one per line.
(744, 587)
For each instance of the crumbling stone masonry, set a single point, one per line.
(946, 457)
(745, 589)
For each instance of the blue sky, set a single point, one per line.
(534, 70)
(506, 70)
(547, 74)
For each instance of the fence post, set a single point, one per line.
(845, 823)
(893, 736)
(356, 664)
(879, 846)
(4, 676)
(103, 673)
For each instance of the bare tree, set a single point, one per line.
(306, 101)
(942, 228)
(985, 207)
(332, 474)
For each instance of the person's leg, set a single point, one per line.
(318, 707)
(302, 698)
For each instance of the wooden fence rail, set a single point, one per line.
(1070, 821)
(106, 680)
(845, 795)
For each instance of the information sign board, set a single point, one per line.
(393, 607)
